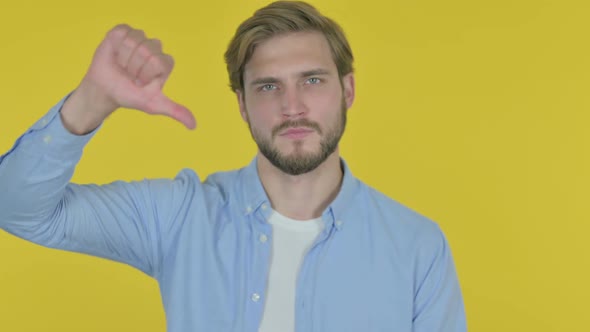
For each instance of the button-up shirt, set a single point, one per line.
(376, 266)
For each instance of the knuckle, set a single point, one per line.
(157, 44)
(158, 66)
(169, 60)
(129, 43)
(137, 34)
(144, 50)
(151, 67)
(120, 30)
(134, 37)
(122, 26)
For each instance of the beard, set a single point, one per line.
(300, 162)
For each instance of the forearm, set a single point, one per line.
(35, 172)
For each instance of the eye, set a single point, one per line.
(267, 87)
(313, 80)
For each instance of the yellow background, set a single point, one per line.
(474, 113)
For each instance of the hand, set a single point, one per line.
(128, 70)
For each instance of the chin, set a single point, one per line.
(300, 150)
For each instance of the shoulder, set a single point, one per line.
(399, 212)
(186, 185)
(222, 183)
(402, 222)
(189, 179)
(216, 188)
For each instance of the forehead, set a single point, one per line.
(290, 54)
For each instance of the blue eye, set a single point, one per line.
(313, 80)
(267, 87)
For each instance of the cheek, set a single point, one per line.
(324, 96)
(258, 119)
(325, 107)
(262, 106)
(263, 111)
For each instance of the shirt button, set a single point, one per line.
(255, 297)
(249, 209)
(47, 139)
(263, 238)
(338, 223)
(264, 206)
(44, 122)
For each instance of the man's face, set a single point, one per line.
(294, 102)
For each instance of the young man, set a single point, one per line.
(291, 242)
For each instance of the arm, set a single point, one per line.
(438, 304)
(120, 221)
(125, 222)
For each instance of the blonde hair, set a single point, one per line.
(283, 17)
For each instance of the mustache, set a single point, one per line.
(296, 123)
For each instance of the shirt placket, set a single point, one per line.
(260, 239)
(305, 280)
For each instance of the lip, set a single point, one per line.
(296, 133)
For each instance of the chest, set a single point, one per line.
(217, 279)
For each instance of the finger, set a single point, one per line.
(164, 106)
(156, 67)
(142, 54)
(128, 45)
(117, 34)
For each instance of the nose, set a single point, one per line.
(292, 103)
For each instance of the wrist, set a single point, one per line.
(84, 110)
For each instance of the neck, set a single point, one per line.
(305, 196)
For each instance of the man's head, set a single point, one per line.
(291, 68)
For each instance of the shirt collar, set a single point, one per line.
(254, 196)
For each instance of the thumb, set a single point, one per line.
(164, 106)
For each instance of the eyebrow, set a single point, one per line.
(307, 73)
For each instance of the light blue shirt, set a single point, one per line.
(377, 265)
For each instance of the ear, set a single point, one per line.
(242, 104)
(348, 89)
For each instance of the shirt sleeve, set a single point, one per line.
(129, 222)
(438, 304)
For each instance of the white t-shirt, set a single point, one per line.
(291, 239)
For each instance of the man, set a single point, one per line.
(291, 242)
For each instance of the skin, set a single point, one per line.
(293, 79)
(129, 71)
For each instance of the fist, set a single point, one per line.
(129, 70)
